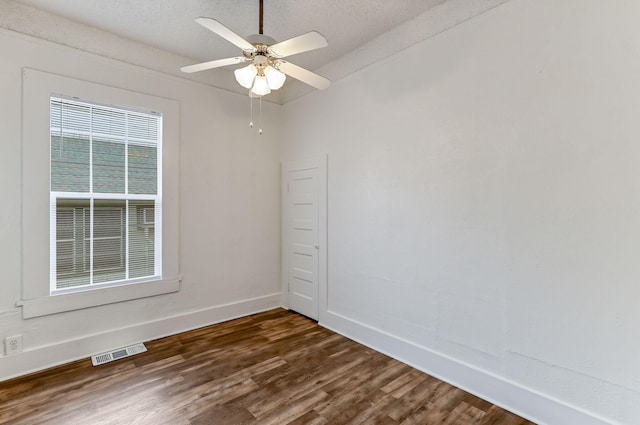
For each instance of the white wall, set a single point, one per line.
(229, 210)
(484, 206)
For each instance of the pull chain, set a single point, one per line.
(251, 109)
(260, 129)
(259, 112)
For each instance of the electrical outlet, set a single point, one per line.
(13, 344)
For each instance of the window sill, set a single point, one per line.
(93, 298)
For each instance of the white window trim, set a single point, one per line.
(36, 299)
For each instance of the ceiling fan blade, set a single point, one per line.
(308, 77)
(224, 32)
(212, 64)
(302, 43)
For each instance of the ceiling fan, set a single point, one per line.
(267, 70)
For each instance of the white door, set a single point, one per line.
(303, 242)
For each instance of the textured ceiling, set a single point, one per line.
(348, 25)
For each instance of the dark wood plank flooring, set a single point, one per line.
(275, 368)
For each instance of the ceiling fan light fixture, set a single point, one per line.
(261, 86)
(245, 76)
(274, 77)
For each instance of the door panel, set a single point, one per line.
(303, 243)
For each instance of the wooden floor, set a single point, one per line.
(270, 368)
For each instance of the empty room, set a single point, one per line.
(320, 212)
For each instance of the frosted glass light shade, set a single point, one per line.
(246, 75)
(261, 86)
(275, 78)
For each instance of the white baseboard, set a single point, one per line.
(44, 357)
(536, 407)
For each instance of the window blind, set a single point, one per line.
(105, 194)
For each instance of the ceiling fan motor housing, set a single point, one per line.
(260, 56)
(257, 39)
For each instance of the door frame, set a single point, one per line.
(319, 163)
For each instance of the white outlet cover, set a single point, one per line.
(13, 344)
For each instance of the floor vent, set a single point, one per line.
(120, 353)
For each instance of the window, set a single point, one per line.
(100, 211)
(104, 195)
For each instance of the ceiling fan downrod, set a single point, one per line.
(261, 23)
